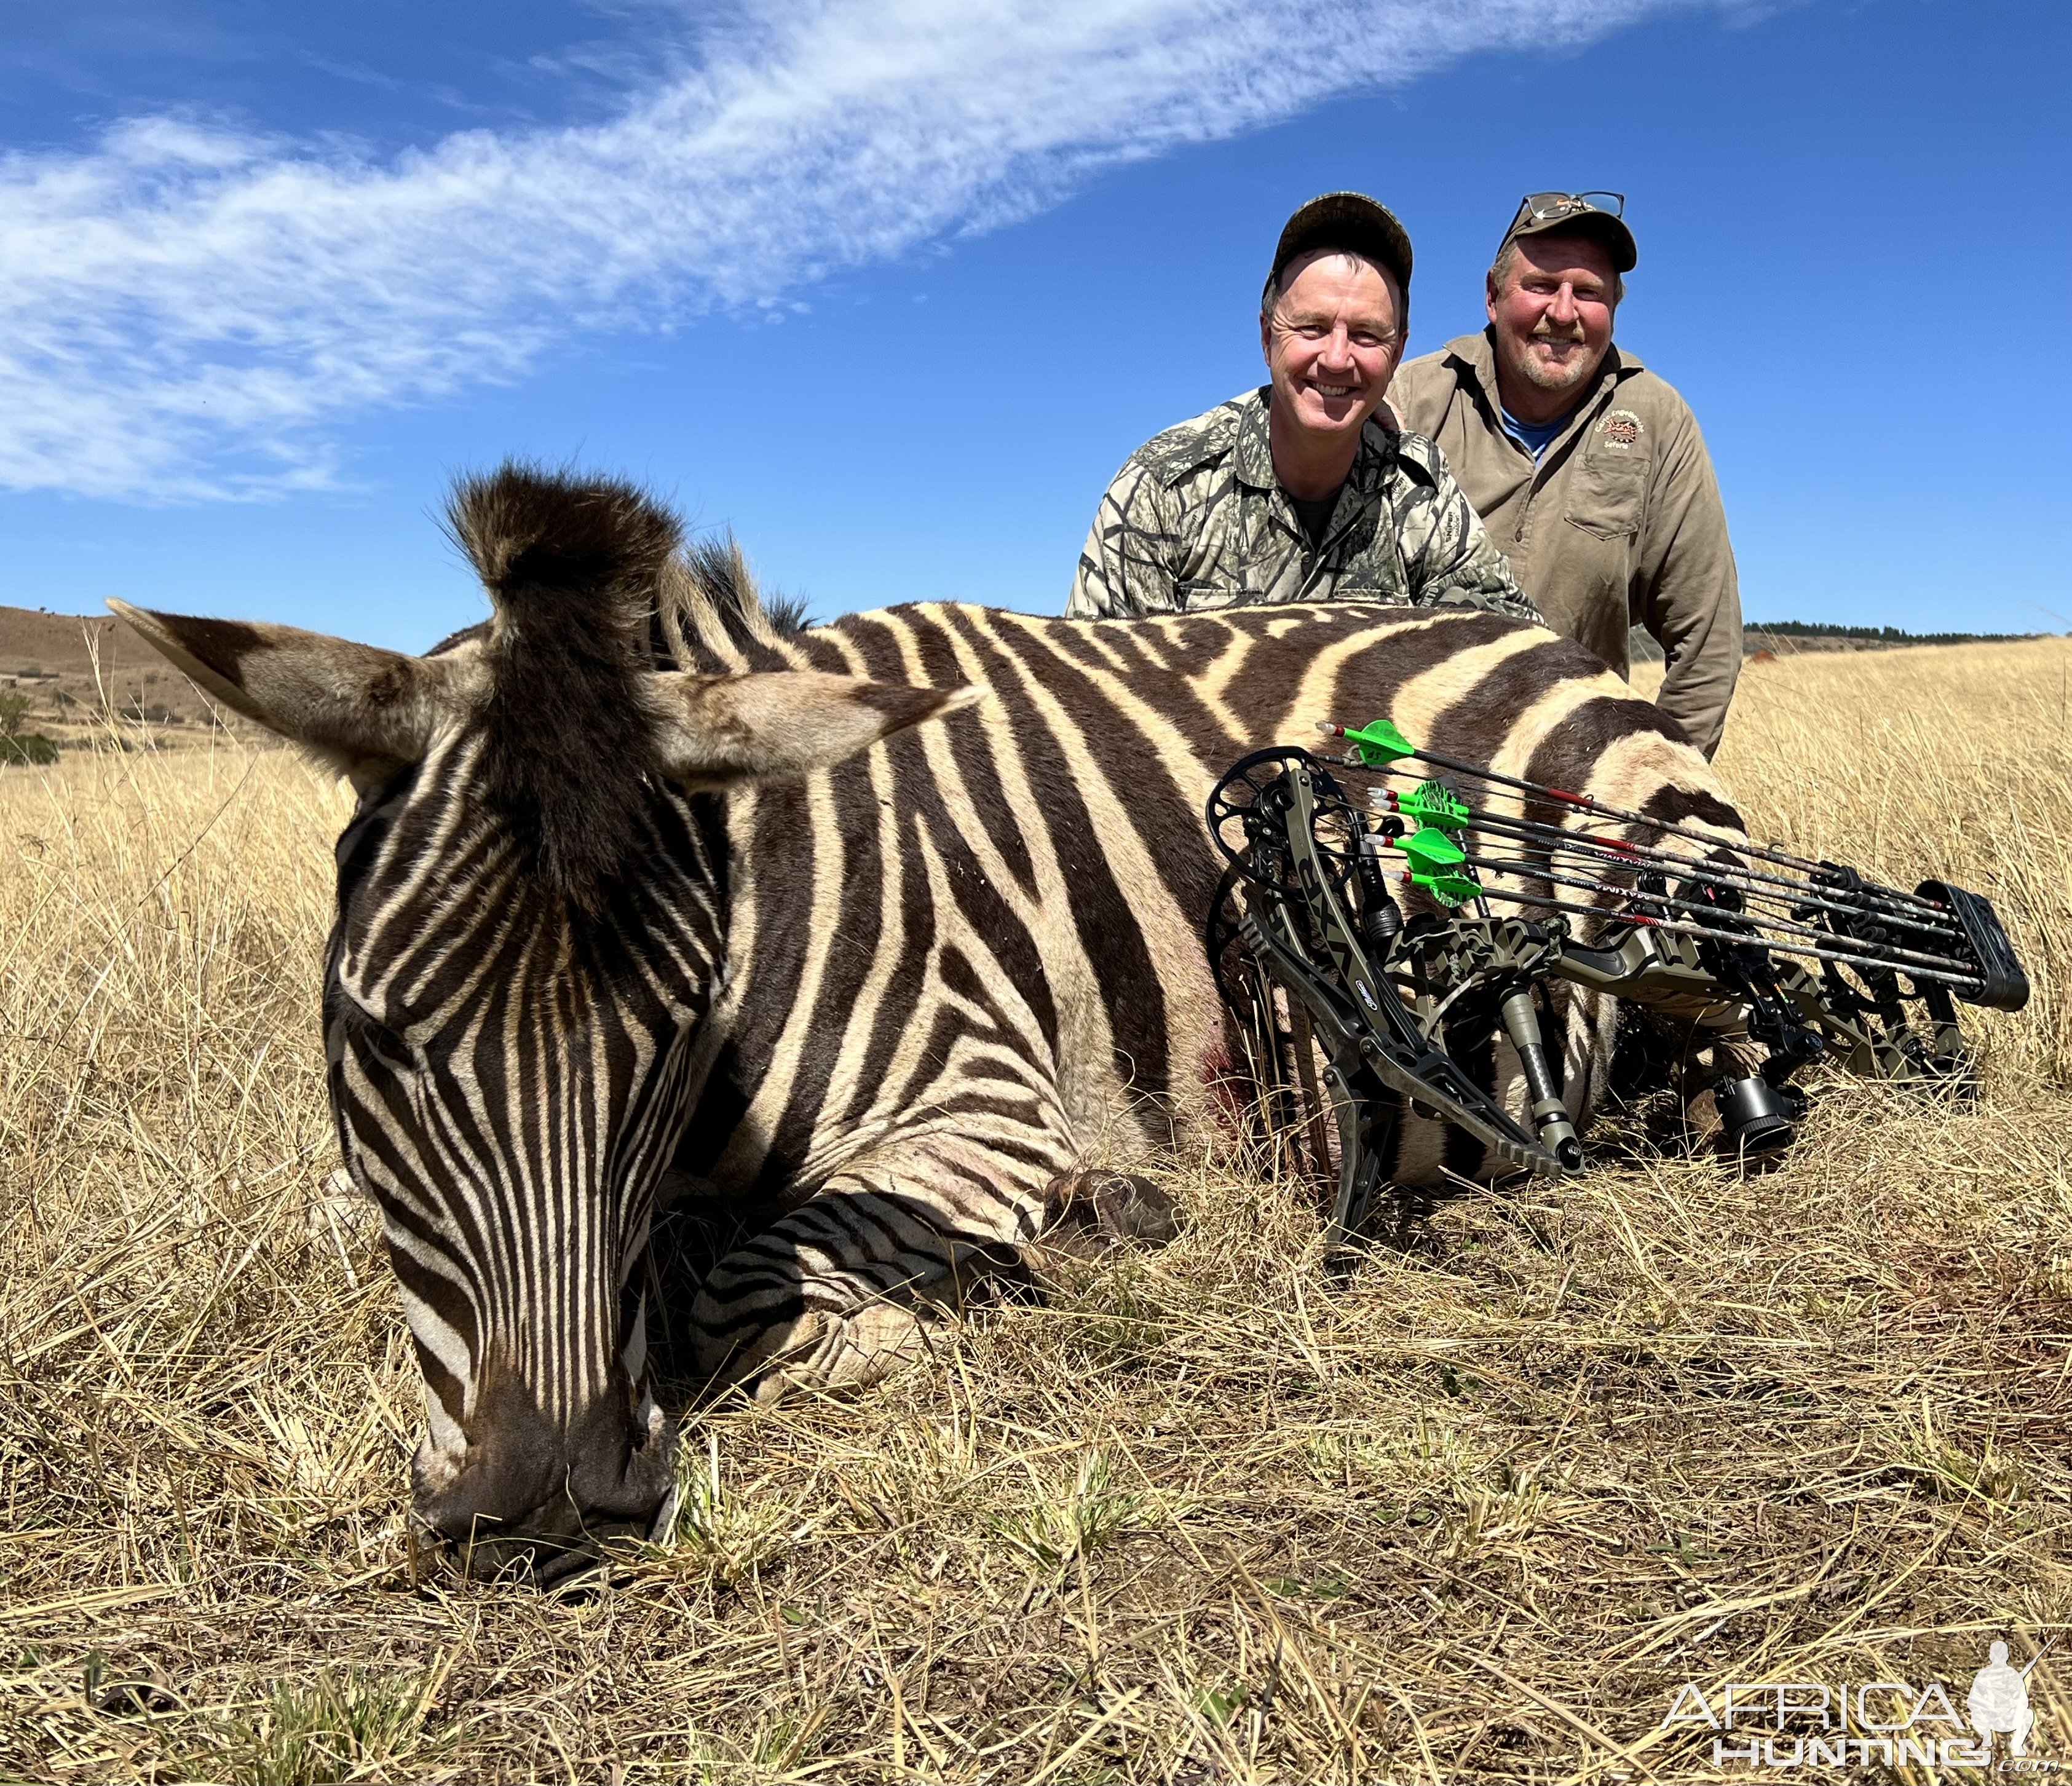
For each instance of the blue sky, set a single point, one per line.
(891, 286)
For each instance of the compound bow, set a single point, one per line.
(1739, 943)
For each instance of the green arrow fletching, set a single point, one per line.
(1380, 743)
(1435, 804)
(1451, 887)
(1436, 863)
(1431, 850)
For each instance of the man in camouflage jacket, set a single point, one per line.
(1300, 491)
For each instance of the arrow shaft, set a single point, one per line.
(1750, 881)
(1585, 803)
(1883, 955)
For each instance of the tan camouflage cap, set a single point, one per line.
(1598, 213)
(1348, 220)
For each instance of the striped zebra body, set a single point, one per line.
(872, 932)
(968, 963)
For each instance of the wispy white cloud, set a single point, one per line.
(185, 307)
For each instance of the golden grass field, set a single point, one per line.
(1207, 1518)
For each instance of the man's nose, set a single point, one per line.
(1338, 348)
(1564, 309)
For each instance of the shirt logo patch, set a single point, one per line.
(1622, 430)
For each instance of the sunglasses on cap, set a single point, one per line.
(1544, 208)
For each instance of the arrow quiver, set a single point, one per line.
(1369, 949)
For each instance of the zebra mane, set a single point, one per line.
(713, 618)
(572, 565)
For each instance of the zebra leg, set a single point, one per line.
(839, 1292)
(1587, 1023)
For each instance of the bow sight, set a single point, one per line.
(1734, 943)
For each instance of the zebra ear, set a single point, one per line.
(718, 731)
(368, 711)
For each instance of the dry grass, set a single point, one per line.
(1210, 1517)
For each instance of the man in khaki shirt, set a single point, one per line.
(1588, 471)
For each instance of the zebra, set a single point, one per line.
(880, 934)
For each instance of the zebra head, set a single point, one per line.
(529, 929)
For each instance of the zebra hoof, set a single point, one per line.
(1108, 1208)
(826, 1353)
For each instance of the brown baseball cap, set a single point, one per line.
(1598, 213)
(1348, 220)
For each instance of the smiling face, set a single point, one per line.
(1332, 340)
(1551, 298)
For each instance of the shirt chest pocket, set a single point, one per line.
(1608, 493)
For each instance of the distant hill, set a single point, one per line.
(76, 669)
(1859, 637)
(64, 644)
(1782, 637)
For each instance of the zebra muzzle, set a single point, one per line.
(528, 1481)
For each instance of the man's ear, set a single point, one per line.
(367, 711)
(718, 731)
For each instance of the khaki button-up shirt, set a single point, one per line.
(1196, 520)
(1618, 525)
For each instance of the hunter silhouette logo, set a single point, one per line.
(1882, 1724)
(1999, 1699)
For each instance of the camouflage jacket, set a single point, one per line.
(1196, 520)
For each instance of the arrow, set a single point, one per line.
(1436, 864)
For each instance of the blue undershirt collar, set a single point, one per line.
(1536, 437)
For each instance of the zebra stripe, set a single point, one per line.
(511, 1115)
